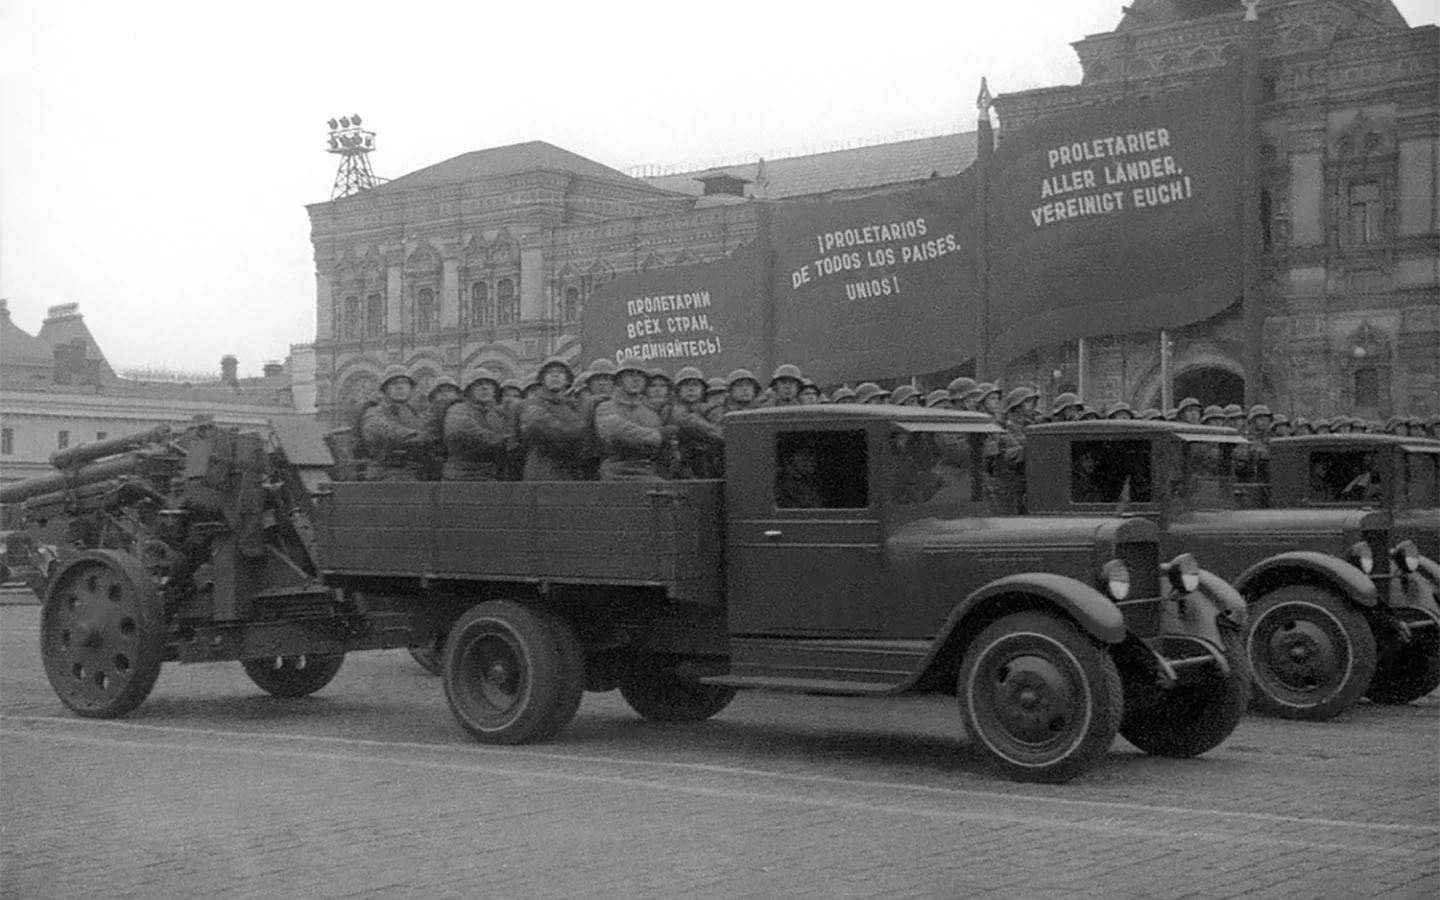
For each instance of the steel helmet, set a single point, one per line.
(393, 372)
(786, 370)
(1233, 411)
(1259, 410)
(937, 397)
(902, 393)
(843, 394)
(689, 373)
(715, 386)
(656, 373)
(960, 387)
(1187, 403)
(509, 383)
(1395, 422)
(603, 366)
(739, 375)
(868, 390)
(985, 389)
(443, 381)
(1281, 419)
(631, 363)
(479, 375)
(1212, 412)
(1017, 396)
(1151, 412)
(1118, 407)
(1064, 402)
(532, 381)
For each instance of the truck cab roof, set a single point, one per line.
(903, 416)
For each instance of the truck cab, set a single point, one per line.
(1326, 621)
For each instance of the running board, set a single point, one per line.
(826, 666)
(814, 686)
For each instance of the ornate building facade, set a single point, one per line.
(487, 259)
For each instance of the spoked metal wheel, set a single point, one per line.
(512, 674)
(102, 634)
(1311, 655)
(294, 676)
(1042, 700)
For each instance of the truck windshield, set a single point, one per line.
(1110, 471)
(1422, 480)
(1346, 476)
(935, 468)
(1209, 476)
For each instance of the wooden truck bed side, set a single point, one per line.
(668, 535)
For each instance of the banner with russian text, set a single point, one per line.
(1117, 218)
(876, 287)
(706, 315)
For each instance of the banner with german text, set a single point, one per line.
(876, 287)
(1117, 218)
(708, 315)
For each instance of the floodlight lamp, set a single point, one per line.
(369, 142)
(345, 122)
(334, 124)
(334, 143)
(356, 120)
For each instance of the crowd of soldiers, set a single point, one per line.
(625, 422)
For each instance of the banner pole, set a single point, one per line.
(984, 146)
(1082, 377)
(766, 288)
(1252, 302)
(1167, 386)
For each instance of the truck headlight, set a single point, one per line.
(1406, 555)
(1362, 556)
(1184, 573)
(1116, 578)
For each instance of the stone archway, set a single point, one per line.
(1210, 385)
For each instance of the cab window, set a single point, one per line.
(1344, 476)
(1110, 471)
(935, 468)
(1422, 480)
(822, 470)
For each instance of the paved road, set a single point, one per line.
(368, 789)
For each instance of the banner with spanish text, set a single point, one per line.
(1117, 218)
(879, 286)
(708, 315)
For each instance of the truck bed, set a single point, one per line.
(668, 535)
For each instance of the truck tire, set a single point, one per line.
(1408, 674)
(1311, 654)
(1042, 700)
(429, 658)
(511, 674)
(659, 695)
(293, 676)
(1192, 719)
(102, 634)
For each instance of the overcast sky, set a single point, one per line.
(157, 154)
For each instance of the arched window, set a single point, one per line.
(425, 310)
(1367, 387)
(374, 315)
(481, 315)
(571, 310)
(507, 308)
(351, 327)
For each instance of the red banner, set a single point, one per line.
(879, 286)
(1117, 218)
(709, 315)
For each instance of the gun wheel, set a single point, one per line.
(102, 634)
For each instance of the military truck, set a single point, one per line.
(1334, 607)
(847, 552)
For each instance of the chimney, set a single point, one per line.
(273, 369)
(228, 366)
(71, 363)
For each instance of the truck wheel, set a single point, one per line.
(662, 696)
(428, 657)
(1042, 700)
(102, 634)
(1310, 654)
(293, 676)
(1192, 719)
(511, 673)
(1409, 674)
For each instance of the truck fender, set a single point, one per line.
(1313, 567)
(1430, 570)
(1226, 599)
(1421, 588)
(1092, 610)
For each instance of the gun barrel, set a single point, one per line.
(103, 470)
(84, 453)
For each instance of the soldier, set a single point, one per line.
(1341, 424)
(1188, 411)
(843, 394)
(632, 437)
(1302, 426)
(1234, 415)
(1416, 426)
(511, 391)
(602, 378)
(1089, 415)
(1152, 414)
(479, 435)
(905, 395)
(1282, 426)
(742, 392)
(987, 399)
(1005, 454)
(1252, 461)
(1396, 425)
(581, 388)
(554, 426)
(958, 390)
(785, 385)
(1432, 427)
(716, 390)
(534, 385)
(657, 390)
(870, 393)
(1321, 426)
(1120, 410)
(939, 398)
(810, 393)
(1066, 408)
(392, 432)
(701, 442)
(443, 393)
(1213, 415)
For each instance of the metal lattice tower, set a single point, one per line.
(353, 145)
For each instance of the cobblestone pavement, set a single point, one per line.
(369, 789)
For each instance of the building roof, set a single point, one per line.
(497, 161)
(63, 327)
(858, 168)
(19, 347)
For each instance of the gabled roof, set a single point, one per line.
(63, 329)
(17, 347)
(498, 161)
(858, 168)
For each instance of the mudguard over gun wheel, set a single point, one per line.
(1039, 698)
(102, 634)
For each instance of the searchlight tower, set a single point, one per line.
(353, 145)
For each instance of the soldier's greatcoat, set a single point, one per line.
(632, 438)
(479, 440)
(555, 427)
(394, 441)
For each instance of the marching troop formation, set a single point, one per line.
(626, 421)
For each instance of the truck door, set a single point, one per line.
(806, 539)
